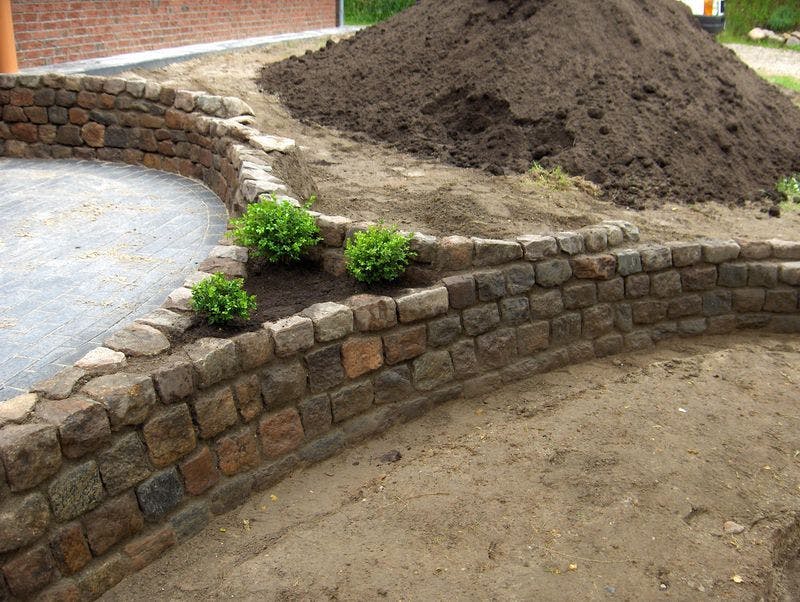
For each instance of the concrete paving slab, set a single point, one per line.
(85, 248)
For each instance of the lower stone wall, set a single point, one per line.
(133, 450)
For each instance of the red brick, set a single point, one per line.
(146, 549)
(361, 355)
(69, 548)
(280, 432)
(199, 472)
(237, 452)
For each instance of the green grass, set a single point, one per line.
(785, 81)
(743, 15)
(367, 12)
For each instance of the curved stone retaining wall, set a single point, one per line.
(133, 450)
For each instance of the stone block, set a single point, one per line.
(609, 344)
(146, 549)
(582, 351)
(190, 520)
(214, 360)
(325, 369)
(180, 298)
(114, 521)
(199, 471)
(460, 290)
(629, 261)
(27, 573)
(637, 286)
(498, 348)
(655, 257)
(332, 229)
(124, 464)
(443, 331)
(22, 521)
(69, 548)
(102, 576)
(422, 304)
(360, 355)
(536, 247)
(237, 451)
(598, 320)
(611, 290)
(596, 267)
(82, 424)
(482, 385)
(762, 274)
(513, 310)
(17, 409)
(579, 294)
(723, 324)
(595, 239)
(533, 337)
(160, 493)
(280, 432)
(638, 340)
(789, 274)
(169, 435)
(371, 312)
(480, 319)
(393, 385)
(331, 320)
(649, 311)
(60, 386)
(495, 252)
(404, 343)
(283, 383)
(247, 393)
(292, 334)
(553, 272)
(254, 349)
(432, 369)
(749, 299)
(454, 253)
(666, 284)
(102, 360)
(30, 454)
(750, 321)
(566, 328)
(465, 360)
(754, 249)
(784, 323)
(545, 303)
(128, 398)
(315, 415)
(614, 234)
(717, 302)
(719, 251)
(699, 278)
(570, 243)
(491, 285)
(692, 326)
(785, 249)
(424, 247)
(781, 301)
(214, 411)
(520, 278)
(231, 493)
(685, 253)
(732, 275)
(351, 400)
(687, 305)
(173, 379)
(75, 491)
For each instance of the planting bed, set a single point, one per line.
(108, 466)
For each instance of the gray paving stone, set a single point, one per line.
(75, 265)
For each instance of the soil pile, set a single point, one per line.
(630, 94)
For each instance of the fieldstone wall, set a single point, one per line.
(112, 462)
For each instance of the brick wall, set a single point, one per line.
(51, 31)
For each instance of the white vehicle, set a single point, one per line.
(710, 13)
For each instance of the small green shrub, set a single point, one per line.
(784, 18)
(379, 254)
(554, 178)
(790, 186)
(278, 231)
(221, 300)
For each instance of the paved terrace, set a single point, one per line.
(86, 247)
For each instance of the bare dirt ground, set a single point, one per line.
(608, 480)
(368, 181)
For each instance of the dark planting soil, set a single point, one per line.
(630, 94)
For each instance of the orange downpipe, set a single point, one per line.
(8, 48)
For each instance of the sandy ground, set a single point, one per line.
(770, 61)
(608, 480)
(369, 181)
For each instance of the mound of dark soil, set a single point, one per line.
(628, 93)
